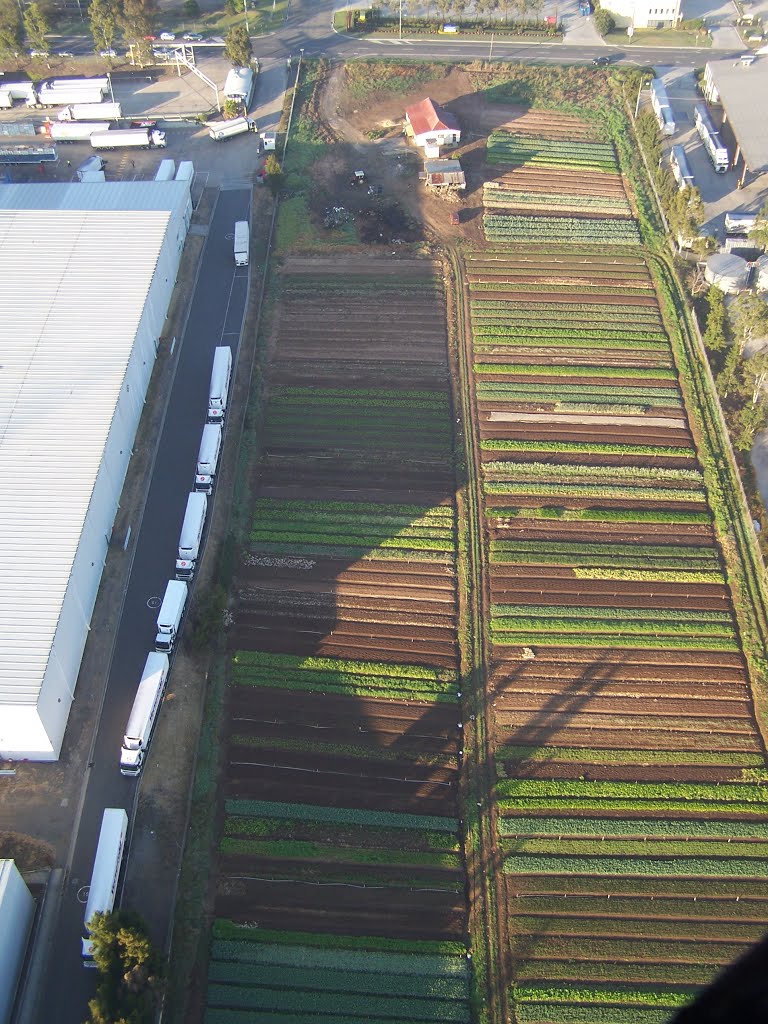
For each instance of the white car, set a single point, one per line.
(167, 37)
(107, 53)
(39, 53)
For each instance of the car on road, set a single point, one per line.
(108, 53)
(39, 53)
(192, 37)
(167, 37)
(601, 62)
(145, 122)
(150, 39)
(64, 53)
(163, 53)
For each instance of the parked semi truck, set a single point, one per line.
(129, 138)
(141, 721)
(106, 873)
(680, 168)
(91, 112)
(218, 392)
(191, 535)
(170, 615)
(225, 130)
(74, 131)
(208, 457)
(242, 243)
(713, 144)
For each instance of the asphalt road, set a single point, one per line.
(215, 318)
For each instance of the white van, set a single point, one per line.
(208, 457)
(191, 535)
(219, 389)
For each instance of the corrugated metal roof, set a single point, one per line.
(740, 87)
(76, 263)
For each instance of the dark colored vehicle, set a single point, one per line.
(601, 62)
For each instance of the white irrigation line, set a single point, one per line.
(323, 771)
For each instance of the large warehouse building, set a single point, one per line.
(86, 276)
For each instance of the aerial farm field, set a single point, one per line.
(630, 818)
(341, 881)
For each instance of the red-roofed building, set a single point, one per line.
(431, 126)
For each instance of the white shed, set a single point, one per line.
(727, 272)
(17, 909)
(431, 127)
(268, 141)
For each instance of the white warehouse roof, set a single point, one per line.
(76, 263)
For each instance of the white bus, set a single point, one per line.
(106, 872)
(218, 391)
(141, 721)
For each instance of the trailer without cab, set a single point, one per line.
(170, 615)
(61, 91)
(186, 171)
(129, 138)
(208, 457)
(166, 170)
(106, 873)
(141, 722)
(74, 131)
(661, 108)
(713, 144)
(218, 391)
(191, 535)
(237, 126)
(680, 168)
(91, 112)
(242, 243)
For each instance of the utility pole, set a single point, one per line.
(245, 12)
(401, 19)
(490, 51)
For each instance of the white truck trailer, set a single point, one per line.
(91, 112)
(716, 151)
(141, 721)
(740, 222)
(661, 108)
(225, 130)
(166, 170)
(239, 85)
(242, 243)
(106, 873)
(191, 535)
(218, 392)
(170, 615)
(56, 92)
(74, 131)
(208, 457)
(129, 138)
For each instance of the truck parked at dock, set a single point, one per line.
(129, 138)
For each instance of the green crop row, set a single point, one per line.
(560, 1013)
(293, 978)
(284, 506)
(580, 971)
(586, 448)
(627, 492)
(342, 678)
(340, 815)
(587, 755)
(296, 849)
(637, 805)
(292, 828)
(624, 995)
(701, 791)
(439, 694)
(649, 576)
(633, 641)
(609, 626)
(595, 515)
(653, 909)
(666, 828)
(575, 612)
(393, 754)
(680, 849)
(555, 202)
(638, 928)
(219, 1015)
(342, 952)
(572, 229)
(381, 554)
(524, 864)
(556, 370)
(362, 668)
(564, 469)
(308, 541)
(335, 1003)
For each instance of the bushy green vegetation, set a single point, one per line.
(514, 228)
(514, 149)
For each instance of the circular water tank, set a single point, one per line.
(761, 273)
(727, 272)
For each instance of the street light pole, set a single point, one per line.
(245, 12)
(401, 20)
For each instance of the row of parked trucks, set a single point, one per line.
(102, 136)
(54, 92)
(149, 694)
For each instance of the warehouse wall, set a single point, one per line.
(16, 912)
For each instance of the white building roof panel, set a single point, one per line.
(76, 264)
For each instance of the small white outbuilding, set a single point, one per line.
(431, 127)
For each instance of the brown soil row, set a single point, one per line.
(358, 265)
(584, 357)
(345, 645)
(417, 483)
(593, 701)
(242, 760)
(342, 909)
(572, 714)
(605, 532)
(625, 681)
(343, 575)
(598, 379)
(370, 735)
(415, 615)
(531, 298)
(609, 739)
(558, 181)
(580, 458)
(622, 773)
(586, 433)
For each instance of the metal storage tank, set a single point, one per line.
(761, 273)
(727, 272)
